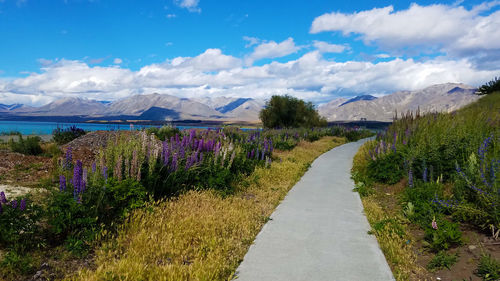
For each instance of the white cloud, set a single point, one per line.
(325, 47)
(271, 50)
(45, 62)
(170, 16)
(213, 73)
(191, 5)
(251, 41)
(117, 61)
(451, 29)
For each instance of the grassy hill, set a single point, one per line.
(430, 181)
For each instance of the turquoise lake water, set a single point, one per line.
(46, 128)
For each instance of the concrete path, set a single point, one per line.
(319, 231)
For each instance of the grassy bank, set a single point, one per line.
(202, 235)
(430, 189)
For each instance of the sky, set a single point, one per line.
(315, 50)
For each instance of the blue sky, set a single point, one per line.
(316, 50)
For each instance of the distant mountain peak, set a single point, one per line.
(359, 98)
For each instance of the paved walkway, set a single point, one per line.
(319, 231)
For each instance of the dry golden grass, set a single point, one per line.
(201, 235)
(393, 237)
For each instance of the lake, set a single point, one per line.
(46, 128)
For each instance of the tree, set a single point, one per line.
(286, 112)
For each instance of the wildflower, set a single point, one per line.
(22, 206)
(434, 223)
(3, 199)
(62, 183)
(105, 173)
(410, 178)
(93, 167)
(68, 159)
(13, 204)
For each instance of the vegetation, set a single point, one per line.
(290, 112)
(63, 136)
(488, 268)
(203, 236)
(163, 133)
(490, 87)
(135, 177)
(447, 166)
(28, 146)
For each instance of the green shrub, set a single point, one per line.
(290, 112)
(488, 268)
(442, 260)
(30, 146)
(445, 236)
(489, 87)
(63, 136)
(386, 169)
(19, 223)
(163, 133)
(14, 263)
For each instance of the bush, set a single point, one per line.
(489, 87)
(163, 133)
(442, 260)
(77, 218)
(63, 136)
(488, 268)
(19, 227)
(446, 235)
(30, 146)
(386, 169)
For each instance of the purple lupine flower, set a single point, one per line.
(13, 203)
(174, 162)
(62, 183)
(201, 157)
(68, 159)
(252, 153)
(262, 157)
(94, 167)
(3, 198)
(410, 177)
(22, 206)
(105, 173)
(77, 178)
(248, 154)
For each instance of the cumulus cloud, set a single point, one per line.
(213, 73)
(325, 47)
(251, 41)
(117, 61)
(272, 50)
(451, 29)
(191, 5)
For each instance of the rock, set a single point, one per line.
(472, 247)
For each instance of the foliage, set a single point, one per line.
(488, 268)
(442, 260)
(30, 146)
(446, 235)
(489, 87)
(77, 218)
(386, 169)
(63, 136)
(14, 263)
(288, 112)
(163, 133)
(19, 229)
(200, 235)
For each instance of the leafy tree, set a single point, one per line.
(489, 87)
(286, 112)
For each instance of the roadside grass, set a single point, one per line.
(202, 235)
(387, 224)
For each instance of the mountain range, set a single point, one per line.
(442, 97)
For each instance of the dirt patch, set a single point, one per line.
(23, 170)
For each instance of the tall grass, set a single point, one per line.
(200, 235)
